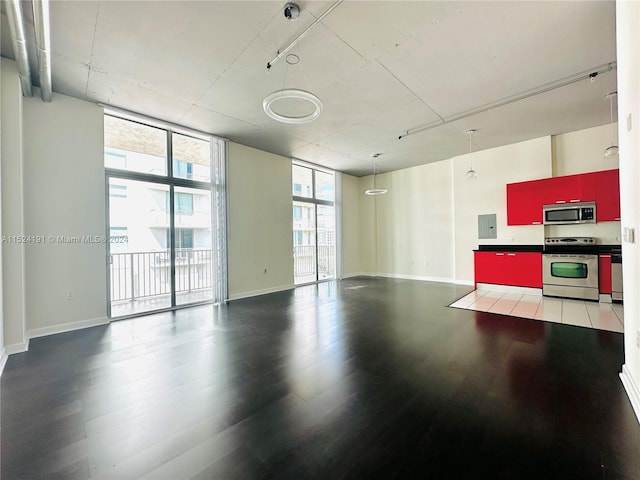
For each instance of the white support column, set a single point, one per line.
(628, 57)
(13, 252)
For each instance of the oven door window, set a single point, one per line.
(569, 270)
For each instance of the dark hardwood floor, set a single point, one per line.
(358, 379)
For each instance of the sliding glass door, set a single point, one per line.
(192, 241)
(139, 257)
(314, 224)
(163, 250)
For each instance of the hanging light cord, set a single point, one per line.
(373, 180)
(470, 132)
(611, 111)
(471, 173)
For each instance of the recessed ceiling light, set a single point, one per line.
(292, 59)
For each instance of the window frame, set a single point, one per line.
(315, 202)
(172, 182)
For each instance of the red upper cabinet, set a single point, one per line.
(524, 205)
(568, 189)
(557, 190)
(607, 195)
(525, 199)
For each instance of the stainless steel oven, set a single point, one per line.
(570, 268)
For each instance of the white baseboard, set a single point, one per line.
(3, 360)
(605, 298)
(467, 283)
(420, 278)
(66, 327)
(16, 348)
(632, 390)
(510, 289)
(351, 275)
(265, 291)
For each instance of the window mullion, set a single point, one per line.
(172, 219)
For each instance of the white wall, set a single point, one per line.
(15, 339)
(427, 225)
(351, 264)
(64, 194)
(415, 223)
(582, 151)
(628, 57)
(260, 222)
(368, 228)
(487, 195)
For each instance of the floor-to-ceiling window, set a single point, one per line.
(166, 217)
(314, 224)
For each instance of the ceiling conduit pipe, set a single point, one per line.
(16, 29)
(283, 51)
(43, 46)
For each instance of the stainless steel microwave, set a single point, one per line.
(567, 213)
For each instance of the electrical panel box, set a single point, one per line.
(487, 226)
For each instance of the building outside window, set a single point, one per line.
(152, 200)
(314, 224)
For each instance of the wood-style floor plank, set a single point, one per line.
(361, 378)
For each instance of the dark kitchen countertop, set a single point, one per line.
(509, 248)
(607, 248)
(602, 249)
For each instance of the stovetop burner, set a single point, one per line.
(580, 245)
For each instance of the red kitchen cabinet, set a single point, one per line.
(521, 269)
(524, 269)
(568, 189)
(525, 199)
(604, 273)
(524, 205)
(489, 267)
(607, 195)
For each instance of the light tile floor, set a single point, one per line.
(602, 316)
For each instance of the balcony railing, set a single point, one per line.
(304, 262)
(137, 275)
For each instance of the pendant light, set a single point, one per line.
(375, 190)
(292, 13)
(612, 150)
(471, 173)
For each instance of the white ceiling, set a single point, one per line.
(380, 67)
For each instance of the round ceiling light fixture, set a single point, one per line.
(295, 94)
(375, 190)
